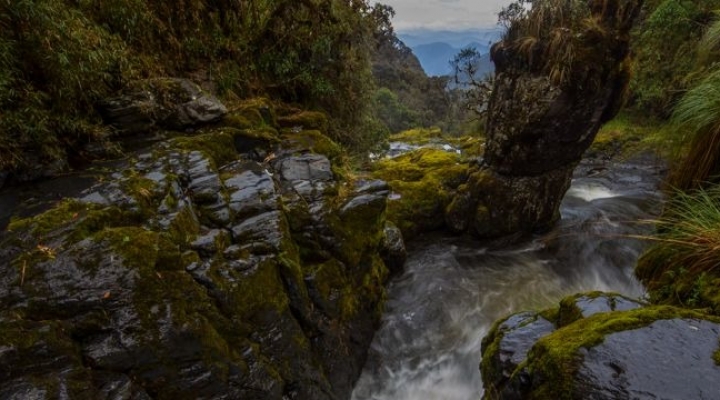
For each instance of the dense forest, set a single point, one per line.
(60, 58)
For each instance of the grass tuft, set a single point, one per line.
(683, 266)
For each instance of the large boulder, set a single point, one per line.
(201, 271)
(601, 346)
(167, 103)
(557, 80)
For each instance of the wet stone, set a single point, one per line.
(207, 242)
(204, 182)
(309, 167)
(521, 332)
(265, 228)
(669, 359)
(251, 192)
(372, 186)
(393, 250)
(373, 203)
(604, 303)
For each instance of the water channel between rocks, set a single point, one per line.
(453, 289)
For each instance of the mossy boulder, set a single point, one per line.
(207, 269)
(492, 205)
(601, 346)
(423, 182)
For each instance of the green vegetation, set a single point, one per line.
(628, 134)
(681, 267)
(58, 58)
(667, 60)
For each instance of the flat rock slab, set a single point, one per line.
(668, 359)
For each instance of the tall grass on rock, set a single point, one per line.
(553, 35)
(683, 265)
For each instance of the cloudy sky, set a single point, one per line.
(445, 14)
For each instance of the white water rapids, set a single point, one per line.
(453, 289)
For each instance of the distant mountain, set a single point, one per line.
(457, 39)
(435, 49)
(435, 57)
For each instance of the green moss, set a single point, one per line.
(716, 357)
(237, 122)
(165, 289)
(417, 136)
(184, 227)
(627, 135)
(315, 141)
(490, 348)
(29, 345)
(260, 291)
(366, 291)
(41, 225)
(257, 111)
(71, 220)
(306, 120)
(556, 357)
(424, 180)
(217, 144)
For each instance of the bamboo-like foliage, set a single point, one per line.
(58, 57)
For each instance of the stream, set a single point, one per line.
(453, 289)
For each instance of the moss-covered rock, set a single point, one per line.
(305, 120)
(205, 270)
(599, 346)
(422, 182)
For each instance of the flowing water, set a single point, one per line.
(453, 289)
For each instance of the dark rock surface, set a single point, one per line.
(668, 359)
(169, 103)
(540, 122)
(508, 343)
(189, 278)
(601, 346)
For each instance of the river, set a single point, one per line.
(453, 289)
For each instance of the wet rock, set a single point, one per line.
(671, 359)
(393, 250)
(307, 167)
(251, 191)
(204, 182)
(517, 335)
(502, 205)
(183, 277)
(168, 103)
(609, 347)
(208, 243)
(264, 229)
(589, 305)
